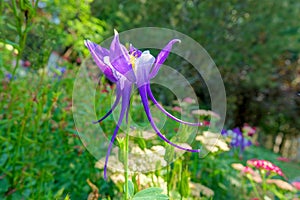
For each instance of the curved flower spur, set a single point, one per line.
(126, 68)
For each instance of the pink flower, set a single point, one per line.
(248, 170)
(206, 123)
(283, 159)
(189, 100)
(296, 185)
(26, 63)
(177, 109)
(78, 60)
(265, 165)
(249, 130)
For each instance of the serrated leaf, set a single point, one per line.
(150, 194)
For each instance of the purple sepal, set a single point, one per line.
(120, 59)
(98, 54)
(143, 94)
(161, 58)
(118, 97)
(152, 98)
(134, 51)
(125, 103)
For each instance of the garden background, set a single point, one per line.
(255, 45)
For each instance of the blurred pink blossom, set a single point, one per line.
(296, 184)
(265, 165)
(189, 100)
(283, 159)
(177, 109)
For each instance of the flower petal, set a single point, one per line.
(143, 65)
(120, 59)
(162, 56)
(143, 94)
(166, 112)
(98, 54)
(134, 51)
(125, 103)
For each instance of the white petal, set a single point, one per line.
(143, 65)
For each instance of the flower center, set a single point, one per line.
(133, 55)
(132, 60)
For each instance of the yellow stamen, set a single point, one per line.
(132, 60)
(133, 56)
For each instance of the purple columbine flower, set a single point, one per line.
(126, 68)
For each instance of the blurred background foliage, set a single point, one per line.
(254, 44)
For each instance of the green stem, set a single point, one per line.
(19, 30)
(263, 175)
(254, 188)
(22, 33)
(168, 179)
(126, 160)
(18, 146)
(180, 182)
(22, 42)
(16, 66)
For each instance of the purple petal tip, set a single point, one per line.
(89, 44)
(116, 32)
(105, 172)
(86, 42)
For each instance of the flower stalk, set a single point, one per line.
(253, 186)
(23, 25)
(126, 151)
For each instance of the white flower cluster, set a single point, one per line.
(212, 142)
(139, 160)
(206, 113)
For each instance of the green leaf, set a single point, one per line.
(12, 27)
(67, 197)
(184, 188)
(121, 143)
(150, 194)
(4, 185)
(59, 194)
(170, 153)
(130, 188)
(15, 45)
